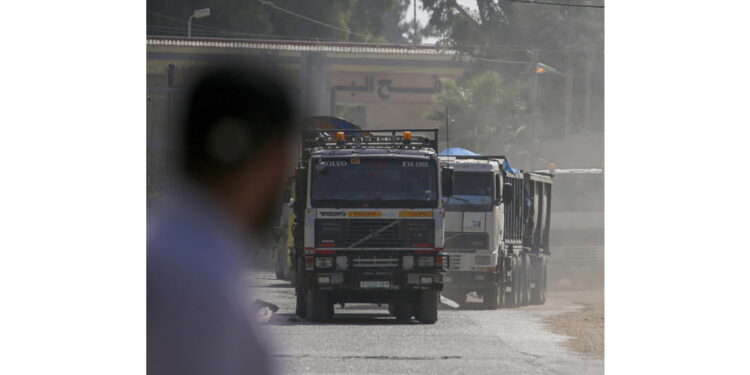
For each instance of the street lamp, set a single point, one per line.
(198, 13)
(542, 68)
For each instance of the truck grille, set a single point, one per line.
(374, 261)
(374, 233)
(466, 241)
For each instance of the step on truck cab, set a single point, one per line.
(496, 232)
(369, 222)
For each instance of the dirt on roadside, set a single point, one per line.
(584, 326)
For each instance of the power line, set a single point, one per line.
(560, 4)
(274, 6)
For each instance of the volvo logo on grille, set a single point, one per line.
(332, 214)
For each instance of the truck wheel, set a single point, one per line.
(403, 311)
(301, 309)
(512, 297)
(525, 279)
(428, 301)
(293, 275)
(538, 294)
(490, 297)
(318, 308)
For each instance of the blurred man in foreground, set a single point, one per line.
(233, 160)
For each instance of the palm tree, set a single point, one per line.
(487, 115)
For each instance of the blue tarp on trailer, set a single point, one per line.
(458, 151)
(508, 168)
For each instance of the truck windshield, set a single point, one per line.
(374, 183)
(471, 192)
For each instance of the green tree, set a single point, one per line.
(334, 20)
(486, 114)
(501, 34)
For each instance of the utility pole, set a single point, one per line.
(447, 131)
(534, 113)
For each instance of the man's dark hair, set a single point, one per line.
(232, 111)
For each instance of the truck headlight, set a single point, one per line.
(426, 261)
(323, 262)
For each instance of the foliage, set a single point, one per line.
(352, 20)
(486, 114)
(501, 34)
(508, 23)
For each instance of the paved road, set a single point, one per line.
(365, 339)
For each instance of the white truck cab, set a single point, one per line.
(492, 220)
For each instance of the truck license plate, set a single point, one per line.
(374, 284)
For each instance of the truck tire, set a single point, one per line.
(491, 297)
(318, 308)
(301, 308)
(511, 298)
(428, 304)
(403, 311)
(293, 275)
(539, 293)
(525, 279)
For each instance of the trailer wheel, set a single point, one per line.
(525, 279)
(427, 312)
(318, 307)
(511, 298)
(539, 293)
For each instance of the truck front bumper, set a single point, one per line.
(470, 280)
(376, 280)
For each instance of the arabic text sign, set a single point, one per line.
(411, 87)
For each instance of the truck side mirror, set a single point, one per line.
(447, 182)
(507, 193)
